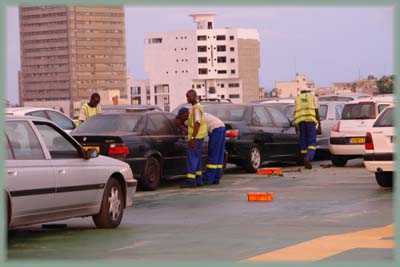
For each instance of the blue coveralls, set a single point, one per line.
(308, 139)
(215, 159)
(194, 164)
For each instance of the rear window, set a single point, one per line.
(227, 113)
(109, 123)
(360, 111)
(323, 111)
(278, 106)
(386, 119)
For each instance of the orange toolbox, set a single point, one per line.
(260, 196)
(269, 171)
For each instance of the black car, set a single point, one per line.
(148, 141)
(256, 133)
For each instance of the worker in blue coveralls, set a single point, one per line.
(306, 119)
(216, 145)
(197, 131)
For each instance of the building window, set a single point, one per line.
(222, 85)
(221, 37)
(232, 49)
(210, 25)
(232, 85)
(203, 71)
(155, 40)
(221, 48)
(234, 96)
(198, 86)
(231, 38)
(232, 60)
(222, 96)
(221, 71)
(202, 48)
(202, 60)
(201, 37)
(233, 71)
(221, 59)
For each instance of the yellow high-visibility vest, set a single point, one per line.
(89, 112)
(202, 133)
(305, 108)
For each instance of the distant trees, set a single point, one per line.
(386, 84)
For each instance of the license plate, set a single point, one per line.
(97, 148)
(393, 139)
(358, 140)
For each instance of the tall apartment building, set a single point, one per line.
(67, 53)
(217, 63)
(293, 88)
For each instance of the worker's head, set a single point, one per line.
(94, 100)
(183, 114)
(191, 96)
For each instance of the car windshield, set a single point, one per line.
(386, 119)
(109, 123)
(288, 111)
(323, 111)
(278, 106)
(226, 113)
(360, 111)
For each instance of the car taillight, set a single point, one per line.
(336, 127)
(232, 133)
(118, 149)
(369, 144)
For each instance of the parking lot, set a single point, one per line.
(327, 213)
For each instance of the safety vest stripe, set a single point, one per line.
(190, 176)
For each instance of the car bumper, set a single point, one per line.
(380, 162)
(343, 146)
(237, 151)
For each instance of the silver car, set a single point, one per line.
(50, 177)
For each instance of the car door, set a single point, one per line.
(285, 137)
(163, 140)
(79, 182)
(264, 131)
(30, 174)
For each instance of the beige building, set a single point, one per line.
(367, 86)
(67, 53)
(140, 92)
(217, 63)
(293, 88)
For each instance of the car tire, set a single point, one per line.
(384, 179)
(339, 161)
(151, 176)
(253, 160)
(112, 206)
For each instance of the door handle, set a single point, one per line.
(61, 172)
(12, 173)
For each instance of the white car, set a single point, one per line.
(50, 177)
(346, 97)
(55, 116)
(380, 148)
(347, 137)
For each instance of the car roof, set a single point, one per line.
(374, 99)
(21, 117)
(23, 110)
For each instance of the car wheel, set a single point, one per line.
(254, 159)
(151, 176)
(384, 179)
(339, 161)
(112, 206)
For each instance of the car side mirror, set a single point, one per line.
(91, 154)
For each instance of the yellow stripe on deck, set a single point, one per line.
(327, 246)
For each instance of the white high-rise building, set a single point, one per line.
(217, 63)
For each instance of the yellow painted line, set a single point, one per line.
(327, 246)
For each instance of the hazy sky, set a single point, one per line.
(328, 44)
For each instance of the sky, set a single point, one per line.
(327, 44)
